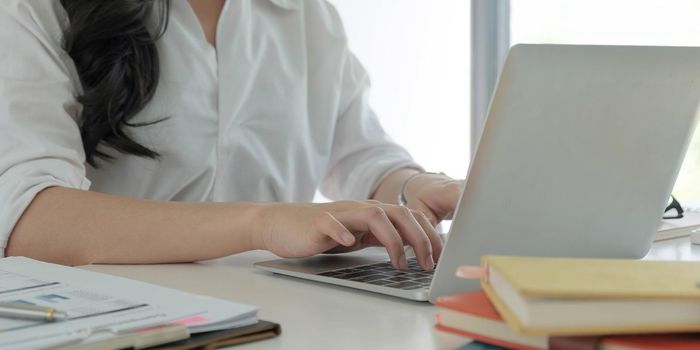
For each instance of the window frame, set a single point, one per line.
(490, 41)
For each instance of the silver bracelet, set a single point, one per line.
(402, 192)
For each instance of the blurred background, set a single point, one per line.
(420, 58)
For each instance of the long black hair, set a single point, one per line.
(112, 43)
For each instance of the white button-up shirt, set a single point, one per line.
(277, 110)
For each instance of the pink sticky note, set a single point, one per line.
(192, 320)
(471, 272)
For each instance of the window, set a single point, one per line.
(620, 22)
(417, 54)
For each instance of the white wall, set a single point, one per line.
(417, 55)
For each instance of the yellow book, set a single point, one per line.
(570, 296)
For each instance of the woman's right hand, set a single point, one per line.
(302, 230)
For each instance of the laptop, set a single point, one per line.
(577, 158)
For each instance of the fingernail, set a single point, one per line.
(348, 238)
(403, 263)
(429, 262)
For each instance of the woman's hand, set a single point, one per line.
(301, 230)
(435, 195)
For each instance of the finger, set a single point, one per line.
(453, 193)
(331, 227)
(420, 206)
(413, 233)
(375, 221)
(443, 202)
(432, 233)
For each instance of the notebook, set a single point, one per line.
(472, 315)
(569, 296)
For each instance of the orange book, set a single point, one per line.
(472, 315)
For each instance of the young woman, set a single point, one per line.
(154, 131)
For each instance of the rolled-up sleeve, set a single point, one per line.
(363, 154)
(40, 143)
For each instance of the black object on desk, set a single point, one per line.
(228, 337)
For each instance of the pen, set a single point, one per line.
(31, 312)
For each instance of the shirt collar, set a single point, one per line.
(286, 4)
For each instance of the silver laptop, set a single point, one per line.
(578, 156)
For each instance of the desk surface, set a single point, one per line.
(315, 315)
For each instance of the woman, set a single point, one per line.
(154, 131)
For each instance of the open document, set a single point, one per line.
(101, 306)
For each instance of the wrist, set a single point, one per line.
(262, 218)
(388, 189)
(404, 189)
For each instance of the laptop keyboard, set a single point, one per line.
(384, 274)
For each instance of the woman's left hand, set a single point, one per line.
(435, 195)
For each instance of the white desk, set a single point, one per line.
(320, 316)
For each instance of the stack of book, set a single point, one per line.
(559, 303)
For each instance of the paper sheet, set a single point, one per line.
(101, 306)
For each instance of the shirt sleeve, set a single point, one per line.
(363, 154)
(40, 143)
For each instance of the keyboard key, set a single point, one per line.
(364, 268)
(383, 265)
(423, 280)
(383, 270)
(368, 278)
(356, 274)
(386, 269)
(398, 279)
(381, 282)
(393, 273)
